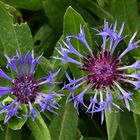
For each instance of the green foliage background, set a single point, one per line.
(40, 25)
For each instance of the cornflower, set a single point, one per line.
(104, 72)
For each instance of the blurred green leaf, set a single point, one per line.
(118, 135)
(16, 123)
(93, 7)
(137, 122)
(38, 128)
(45, 40)
(25, 4)
(64, 126)
(127, 126)
(8, 134)
(101, 3)
(112, 123)
(45, 65)
(57, 9)
(136, 108)
(31, 137)
(26, 133)
(72, 22)
(126, 11)
(93, 138)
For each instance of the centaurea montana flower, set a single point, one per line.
(24, 87)
(104, 70)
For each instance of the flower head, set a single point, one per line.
(103, 70)
(24, 87)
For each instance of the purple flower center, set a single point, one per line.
(102, 70)
(24, 88)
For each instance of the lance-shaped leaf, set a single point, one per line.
(38, 128)
(72, 22)
(64, 126)
(112, 123)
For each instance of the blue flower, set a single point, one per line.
(25, 88)
(103, 70)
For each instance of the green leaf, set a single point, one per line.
(53, 8)
(25, 4)
(16, 123)
(94, 8)
(13, 36)
(93, 138)
(101, 3)
(118, 135)
(45, 40)
(127, 12)
(24, 37)
(72, 22)
(127, 127)
(31, 137)
(112, 123)
(136, 108)
(137, 122)
(45, 65)
(9, 134)
(38, 128)
(64, 126)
